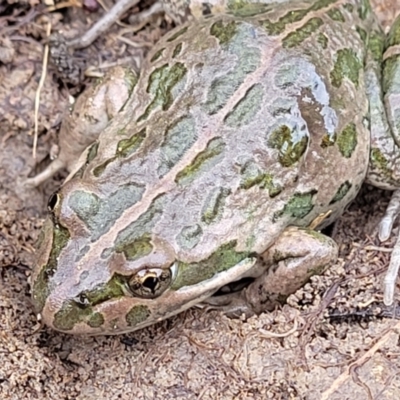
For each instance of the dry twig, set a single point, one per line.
(39, 89)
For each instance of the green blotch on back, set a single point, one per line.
(178, 138)
(136, 248)
(177, 50)
(276, 28)
(363, 34)
(336, 15)
(214, 204)
(376, 45)
(348, 66)
(224, 32)
(99, 214)
(241, 8)
(364, 9)
(40, 287)
(208, 158)
(97, 171)
(157, 55)
(380, 162)
(393, 38)
(175, 35)
(246, 108)
(161, 84)
(125, 148)
(245, 60)
(298, 36)
(91, 154)
(391, 75)
(224, 258)
(341, 192)
(290, 146)
(253, 176)
(138, 230)
(299, 206)
(322, 40)
(347, 140)
(128, 146)
(137, 315)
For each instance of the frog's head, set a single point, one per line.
(106, 267)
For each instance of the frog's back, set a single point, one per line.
(245, 124)
(236, 129)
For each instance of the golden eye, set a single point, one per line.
(150, 283)
(53, 202)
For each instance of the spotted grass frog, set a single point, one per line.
(247, 131)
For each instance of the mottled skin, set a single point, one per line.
(242, 129)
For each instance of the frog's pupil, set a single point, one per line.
(150, 283)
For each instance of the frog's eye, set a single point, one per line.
(53, 202)
(150, 283)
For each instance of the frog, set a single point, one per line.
(249, 129)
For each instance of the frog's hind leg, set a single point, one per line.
(384, 169)
(288, 264)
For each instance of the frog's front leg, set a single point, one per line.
(298, 254)
(89, 116)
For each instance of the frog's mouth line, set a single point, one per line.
(180, 300)
(172, 302)
(175, 302)
(189, 296)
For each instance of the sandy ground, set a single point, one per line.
(332, 341)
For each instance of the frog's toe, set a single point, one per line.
(392, 211)
(384, 232)
(392, 274)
